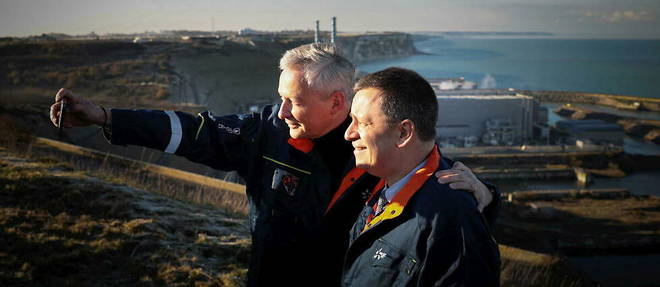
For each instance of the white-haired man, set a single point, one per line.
(293, 158)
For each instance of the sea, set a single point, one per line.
(625, 67)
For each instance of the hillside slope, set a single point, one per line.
(59, 227)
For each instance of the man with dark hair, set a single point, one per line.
(293, 158)
(405, 96)
(414, 231)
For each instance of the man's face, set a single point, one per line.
(373, 138)
(306, 112)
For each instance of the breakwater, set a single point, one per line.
(648, 130)
(616, 101)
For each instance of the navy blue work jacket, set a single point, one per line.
(428, 235)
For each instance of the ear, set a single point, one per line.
(338, 102)
(406, 130)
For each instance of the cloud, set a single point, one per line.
(620, 16)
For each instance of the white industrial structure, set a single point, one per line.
(503, 118)
(439, 84)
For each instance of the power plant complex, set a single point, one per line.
(475, 117)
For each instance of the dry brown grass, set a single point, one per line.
(59, 227)
(116, 67)
(525, 268)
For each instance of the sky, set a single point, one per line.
(571, 18)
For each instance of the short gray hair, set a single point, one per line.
(324, 69)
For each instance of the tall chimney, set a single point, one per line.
(333, 36)
(316, 33)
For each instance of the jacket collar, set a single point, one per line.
(303, 145)
(398, 203)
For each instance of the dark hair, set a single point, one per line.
(406, 95)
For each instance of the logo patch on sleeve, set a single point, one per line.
(285, 182)
(235, 131)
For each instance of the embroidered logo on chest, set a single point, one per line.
(380, 254)
(285, 181)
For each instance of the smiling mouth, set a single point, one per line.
(292, 125)
(358, 148)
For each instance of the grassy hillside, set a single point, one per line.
(67, 221)
(60, 227)
(102, 68)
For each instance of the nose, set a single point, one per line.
(351, 133)
(285, 110)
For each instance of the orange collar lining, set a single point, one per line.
(346, 182)
(395, 208)
(303, 145)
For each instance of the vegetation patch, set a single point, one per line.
(526, 268)
(62, 228)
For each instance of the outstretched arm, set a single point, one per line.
(219, 142)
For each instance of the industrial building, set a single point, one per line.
(483, 117)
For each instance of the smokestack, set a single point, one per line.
(316, 33)
(333, 36)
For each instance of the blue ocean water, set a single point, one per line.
(627, 67)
